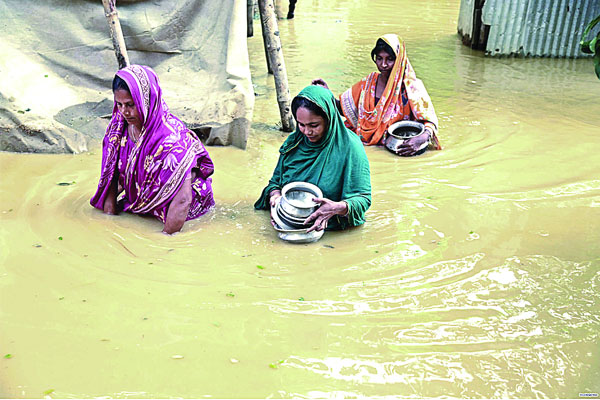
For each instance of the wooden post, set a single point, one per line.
(275, 56)
(110, 11)
(264, 35)
(249, 18)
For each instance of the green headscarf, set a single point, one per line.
(337, 164)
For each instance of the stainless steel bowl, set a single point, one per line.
(296, 199)
(399, 131)
(291, 221)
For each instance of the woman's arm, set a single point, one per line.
(110, 202)
(179, 207)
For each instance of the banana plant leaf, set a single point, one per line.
(592, 46)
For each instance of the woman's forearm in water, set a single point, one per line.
(179, 207)
(110, 202)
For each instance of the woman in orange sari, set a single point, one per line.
(393, 94)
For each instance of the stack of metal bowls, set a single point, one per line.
(296, 204)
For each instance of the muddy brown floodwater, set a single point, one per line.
(476, 274)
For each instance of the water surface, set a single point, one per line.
(476, 274)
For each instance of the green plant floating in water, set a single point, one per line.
(276, 365)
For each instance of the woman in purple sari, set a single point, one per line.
(162, 167)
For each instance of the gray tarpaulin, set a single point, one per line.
(57, 63)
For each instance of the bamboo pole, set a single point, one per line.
(110, 11)
(275, 56)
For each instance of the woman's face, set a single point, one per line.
(311, 125)
(384, 61)
(127, 108)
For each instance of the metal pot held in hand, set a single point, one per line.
(400, 131)
(297, 199)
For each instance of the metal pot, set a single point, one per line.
(400, 131)
(288, 220)
(296, 199)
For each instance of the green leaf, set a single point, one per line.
(65, 183)
(301, 299)
(273, 365)
(230, 294)
(47, 392)
(7, 356)
(61, 298)
(60, 238)
(260, 267)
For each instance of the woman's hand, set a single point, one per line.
(327, 210)
(411, 146)
(320, 82)
(275, 195)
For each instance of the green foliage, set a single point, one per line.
(592, 46)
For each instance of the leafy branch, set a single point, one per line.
(592, 46)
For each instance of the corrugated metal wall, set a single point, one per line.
(532, 27)
(465, 18)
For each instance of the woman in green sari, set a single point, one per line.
(323, 152)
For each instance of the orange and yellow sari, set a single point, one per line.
(404, 98)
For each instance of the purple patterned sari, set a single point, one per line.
(152, 169)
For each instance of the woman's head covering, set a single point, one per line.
(162, 156)
(337, 163)
(146, 92)
(372, 120)
(324, 99)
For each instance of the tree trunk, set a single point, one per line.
(110, 11)
(275, 56)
